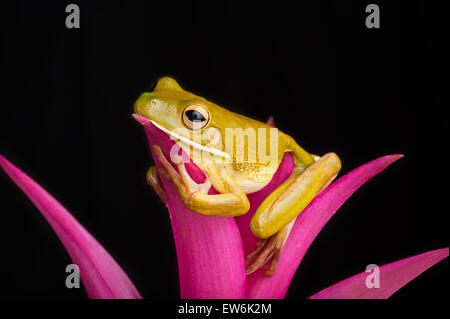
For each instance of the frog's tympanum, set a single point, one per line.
(228, 148)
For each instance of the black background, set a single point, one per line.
(330, 82)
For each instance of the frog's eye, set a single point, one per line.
(195, 116)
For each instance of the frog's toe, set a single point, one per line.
(169, 172)
(268, 252)
(161, 172)
(186, 186)
(153, 181)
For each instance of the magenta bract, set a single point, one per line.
(102, 277)
(211, 250)
(393, 276)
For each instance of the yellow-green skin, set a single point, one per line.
(235, 177)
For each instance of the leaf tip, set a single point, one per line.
(270, 121)
(4, 163)
(390, 159)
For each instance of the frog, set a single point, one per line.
(198, 126)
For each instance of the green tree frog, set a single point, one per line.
(228, 148)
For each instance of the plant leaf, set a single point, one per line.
(209, 249)
(392, 277)
(308, 225)
(102, 277)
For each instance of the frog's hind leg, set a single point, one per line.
(276, 215)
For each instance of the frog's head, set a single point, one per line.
(184, 116)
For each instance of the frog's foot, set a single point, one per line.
(153, 180)
(268, 252)
(179, 177)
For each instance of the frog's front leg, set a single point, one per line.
(231, 201)
(276, 215)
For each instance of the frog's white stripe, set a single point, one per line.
(191, 142)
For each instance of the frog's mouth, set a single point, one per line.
(176, 137)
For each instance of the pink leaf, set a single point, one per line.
(209, 249)
(308, 225)
(102, 277)
(271, 122)
(392, 277)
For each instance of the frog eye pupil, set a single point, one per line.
(195, 116)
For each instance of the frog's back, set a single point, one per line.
(254, 173)
(285, 142)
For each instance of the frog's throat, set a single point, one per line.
(191, 142)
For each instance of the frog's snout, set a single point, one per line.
(142, 106)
